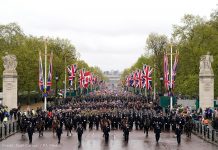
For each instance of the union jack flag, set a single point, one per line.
(166, 73)
(131, 81)
(81, 78)
(72, 73)
(95, 79)
(135, 79)
(49, 82)
(91, 79)
(139, 79)
(127, 81)
(147, 77)
(87, 79)
(174, 70)
(41, 79)
(84, 78)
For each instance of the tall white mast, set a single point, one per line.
(65, 78)
(171, 77)
(45, 96)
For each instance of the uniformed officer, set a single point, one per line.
(178, 132)
(79, 131)
(157, 131)
(30, 131)
(106, 131)
(97, 121)
(59, 132)
(126, 132)
(147, 123)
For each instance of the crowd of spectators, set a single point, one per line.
(7, 114)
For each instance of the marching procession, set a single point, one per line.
(106, 114)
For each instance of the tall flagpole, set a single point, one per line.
(45, 90)
(75, 79)
(65, 78)
(171, 79)
(154, 81)
(75, 84)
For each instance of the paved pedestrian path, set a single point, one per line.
(93, 140)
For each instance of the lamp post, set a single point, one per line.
(161, 85)
(56, 88)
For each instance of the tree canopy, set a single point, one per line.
(194, 37)
(27, 47)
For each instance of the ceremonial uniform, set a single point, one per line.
(59, 132)
(157, 131)
(79, 133)
(30, 131)
(178, 132)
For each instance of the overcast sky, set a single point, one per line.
(110, 34)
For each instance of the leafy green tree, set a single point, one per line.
(157, 44)
(27, 48)
(194, 37)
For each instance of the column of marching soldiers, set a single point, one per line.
(106, 114)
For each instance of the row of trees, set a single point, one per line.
(194, 37)
(27, 47)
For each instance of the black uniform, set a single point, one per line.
(59, 132)
(147, 123)
(126, 133)
(178, 132)
(30, 131)
(97, 121)
(106, 131)
(157, 131)
(79, 132)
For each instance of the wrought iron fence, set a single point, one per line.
(205, 132)
(8, 128)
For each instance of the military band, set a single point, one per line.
(106, 115)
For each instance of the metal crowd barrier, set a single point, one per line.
(8, 128)
(205, 132)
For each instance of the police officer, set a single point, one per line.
(84, 121)
(30, 131)
(106, 131)
(79, 131)
(97, 121)
(178, 132)
(146, 124)
(157, 131)
(59, 132)
(126, 132)
(91, 120)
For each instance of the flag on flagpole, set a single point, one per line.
(135, 79)
(81, 78)
(131, 81)
(128, 80)
(72, 73)
(166, 72)
(147, 77)
(41, 78)
(87, 77)
(49, 82)
(174, 69)
(91, 79)
(139, 79)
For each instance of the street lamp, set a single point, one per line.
(161, 86)
(56, 89)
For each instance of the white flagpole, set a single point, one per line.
(154, 82)
(171, 74)
(65, 78)
(45, 97)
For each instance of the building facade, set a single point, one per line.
(113, 79)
